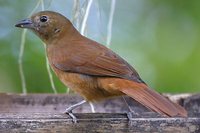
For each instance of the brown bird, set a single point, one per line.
(91, 69)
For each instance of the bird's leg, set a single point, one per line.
(129, 114)
(71, 108)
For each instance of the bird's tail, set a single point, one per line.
(153, 100)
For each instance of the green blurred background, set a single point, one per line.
(161, 39)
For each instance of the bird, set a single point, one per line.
(90, 68)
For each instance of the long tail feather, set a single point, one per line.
(153, 100)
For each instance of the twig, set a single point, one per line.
(86, 17)
(42, 4)
(75, 13)
(50, 73)
(110, 22)
(21, 72)
(21, 52)
(34, 9)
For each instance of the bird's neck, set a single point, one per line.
(67, 33)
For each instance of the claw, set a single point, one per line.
(129, 115)
(74, 119)
(69, 112)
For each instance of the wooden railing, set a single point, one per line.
(44, 113)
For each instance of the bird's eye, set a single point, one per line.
(43, 19)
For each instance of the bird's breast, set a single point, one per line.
(87, 86)
(90, 87)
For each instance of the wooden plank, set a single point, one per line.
(97, 122)
(58, 103)
(44, 113)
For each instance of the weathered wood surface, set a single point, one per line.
(44, 113)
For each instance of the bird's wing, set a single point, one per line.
(94, 59)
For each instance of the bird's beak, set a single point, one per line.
(26, 23)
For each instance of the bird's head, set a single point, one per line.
(48, 25)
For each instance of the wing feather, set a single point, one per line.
(94, 59)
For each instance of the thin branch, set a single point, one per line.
(35, 8)
(50, 73)
(21, 53)
(21, 72)
(110, 22)
(75, 13)
(49, 4)
(86, 17)
(42, 4)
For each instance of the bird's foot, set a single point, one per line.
(71, 108)
(131, 114)
(69, 112)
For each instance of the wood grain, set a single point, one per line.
(43, 113)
